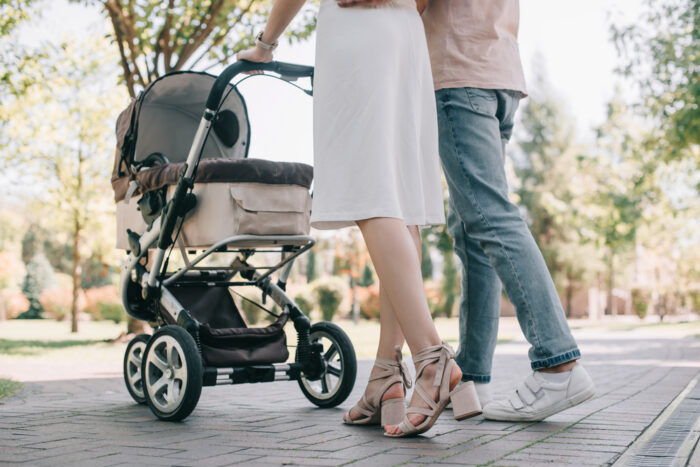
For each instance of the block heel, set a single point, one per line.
(393, 411)
(465, 401)
(373, 410)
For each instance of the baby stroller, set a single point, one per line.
(195, 215)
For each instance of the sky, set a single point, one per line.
(571, 36)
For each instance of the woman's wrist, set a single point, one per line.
(265, 43)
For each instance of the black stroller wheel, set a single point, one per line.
(133, 358)
(172, 373)
(340, 367)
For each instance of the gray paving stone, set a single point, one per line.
(94, 422)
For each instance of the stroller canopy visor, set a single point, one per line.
(165, 117)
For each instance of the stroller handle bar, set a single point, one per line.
(290, 70)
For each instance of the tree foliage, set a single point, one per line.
(155, 37)
(59, 133)
(661, 59)
(552, 187)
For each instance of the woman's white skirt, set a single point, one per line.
(375, 122)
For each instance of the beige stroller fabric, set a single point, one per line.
(234, 197)
(227, 209)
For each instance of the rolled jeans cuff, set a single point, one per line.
(557, 360)
(477, 378)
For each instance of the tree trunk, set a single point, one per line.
(76, 276)
(355, 303)
(612, 309)
(569, 293)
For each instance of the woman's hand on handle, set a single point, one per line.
(255, 54)
(282, 13)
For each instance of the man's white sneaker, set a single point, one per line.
(537, 398)
(483, 390)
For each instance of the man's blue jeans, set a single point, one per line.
(492, 240)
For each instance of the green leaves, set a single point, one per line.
(661, 59)
(155, 37)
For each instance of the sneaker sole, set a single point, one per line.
(576, 399)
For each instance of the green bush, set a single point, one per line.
(640, 302)
(112, 312)
(694, 299)
(329, 293)
(306, 301)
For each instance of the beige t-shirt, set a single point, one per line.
(474, 43)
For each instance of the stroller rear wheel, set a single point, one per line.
(339, 371)
(172, 373)
(133, 359)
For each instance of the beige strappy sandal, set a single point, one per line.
(376, 411)
(465, 401)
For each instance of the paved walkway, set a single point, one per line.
(94, 422)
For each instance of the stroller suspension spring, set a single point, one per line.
(303, 345)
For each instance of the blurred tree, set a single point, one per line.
(11, 228)
(18, 64)
(156, 37)
(329, 293)
(426, 263)
(350, 254)
(450, 285)
(311, 265)
(367, 278)
(661, 57)
(59, 133)
(11, 272)
(621, 185)
(550, 190)
(39, 277)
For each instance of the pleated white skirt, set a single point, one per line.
(375, 122)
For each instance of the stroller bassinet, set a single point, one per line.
(183, 178)
(235, 195)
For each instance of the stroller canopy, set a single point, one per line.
(168, 112)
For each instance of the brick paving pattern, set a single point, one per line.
(94, 422)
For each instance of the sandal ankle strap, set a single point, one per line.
(391, 367)
(441, 354)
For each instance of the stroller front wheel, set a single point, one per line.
(133, 361)
(337, 377)
(172, 373)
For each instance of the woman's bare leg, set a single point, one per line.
(393, 252)
(390, 335)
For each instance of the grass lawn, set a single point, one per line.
(365, 334)
(8, 387)
(52, 340)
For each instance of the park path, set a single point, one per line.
(94, 422)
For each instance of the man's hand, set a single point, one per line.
(348, 3)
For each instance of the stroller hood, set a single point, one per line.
(165, 117)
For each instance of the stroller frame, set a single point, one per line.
(146, 294)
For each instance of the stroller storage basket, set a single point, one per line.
(226, 340)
